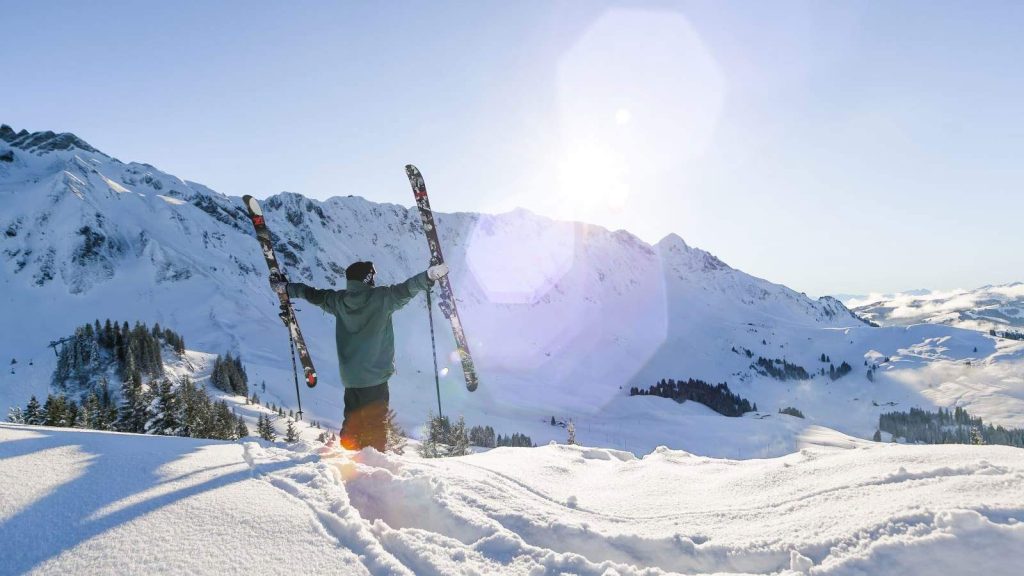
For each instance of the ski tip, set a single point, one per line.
(252, 205)
(311, 379)
(410, 169)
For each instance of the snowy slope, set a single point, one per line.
(104, 503)
(563, 318)
(987, 308)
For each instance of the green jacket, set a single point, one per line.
(364, 333)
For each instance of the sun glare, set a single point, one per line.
(593, 176)
(639, 100)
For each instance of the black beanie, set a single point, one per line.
(359, 271)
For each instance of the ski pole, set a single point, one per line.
(433, 348)
(295, 369)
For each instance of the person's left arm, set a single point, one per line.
(398, 295)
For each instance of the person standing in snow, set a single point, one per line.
(365, 338)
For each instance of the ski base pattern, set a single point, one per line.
(447, 297)
(287, 312)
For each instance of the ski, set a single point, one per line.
(447, 298)
(287, 313)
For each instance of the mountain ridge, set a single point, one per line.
(564, 317)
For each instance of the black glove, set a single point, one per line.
(279, 283)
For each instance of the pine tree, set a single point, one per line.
(571, 429)
(241, 430)
(458, 440)
(431, 447)
(265, 428)
(395, 435)
(223, 422)
(132, 415)
(291, 434)
(33, 412)
(260, 426)
(163, 413)
(15, 415)
(107, 336)
(878, 436)
(976, 436)
(72, 415)
(194, 411)
(92, 417)
(241, 383)
(53, 410)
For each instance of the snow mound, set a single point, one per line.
(94, 502)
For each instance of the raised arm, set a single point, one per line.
(329, 300)
(398, 295)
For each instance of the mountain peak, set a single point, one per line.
(43, 142)
(673, 239)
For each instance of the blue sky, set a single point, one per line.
(836, 147)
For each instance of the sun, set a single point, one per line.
(592, 176)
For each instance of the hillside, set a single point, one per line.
(563, 318)
(117, 503)
(997, 308)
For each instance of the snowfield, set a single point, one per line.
(108, 503)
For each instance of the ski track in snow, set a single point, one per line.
(406, 515)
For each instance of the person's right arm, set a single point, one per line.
(328, 300)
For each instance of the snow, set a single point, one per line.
(171, 201)
(985, 308)
(120, 503)
(563, 331)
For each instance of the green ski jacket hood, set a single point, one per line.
(364, 333)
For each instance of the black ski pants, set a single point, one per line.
(365, 412)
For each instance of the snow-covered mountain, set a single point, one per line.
(998, 308)
(563, 318)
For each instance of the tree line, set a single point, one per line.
(94, 347)
(445, 438)
(229, 375)
(1008, 334)
(163, 409)
(780, 369)
(955, 426)
(718, 397)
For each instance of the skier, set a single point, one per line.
(366, 343)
